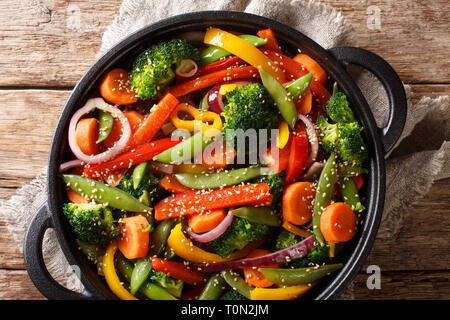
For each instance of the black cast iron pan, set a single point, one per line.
(378, 141)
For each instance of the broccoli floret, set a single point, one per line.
(249, 107)
(153, 68)
(318, 255)
(344, 139)
(232, 295)
(276, 183)
(338, 109)
(173, 286)
(92, 223)
(149, 183)
(238, 235)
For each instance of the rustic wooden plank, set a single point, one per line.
(16, 285)
(53, 42)
(423, 285)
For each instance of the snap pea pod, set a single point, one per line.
(92, 251)
(105, 124)
(148, 289)
(213, 289)
(292, 277)
(299, 86)
(140, 273)
(169, 253)
(204, 106)
(102, 193)
(349, 193)
(217, 179)
(263, 215)
(324, 192)
(237, 283)
(281, 97)
(158, 238)
(185, 150)
(212, 54)
(350, 171)
(138, 174)
(145, 198)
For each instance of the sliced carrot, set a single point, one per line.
(134, 118)
(297, 202)
(359, 181)
(133, 243)
(312, 66)
(75, 197)
(171, 184)
(115, 87)
(158, 115)
(254, 277)
(272, 42)
(204, 222)
(304, 102)
(86, 135)
(219, 157)
(338, 222)
(183, 204)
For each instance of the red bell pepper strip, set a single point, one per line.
(272, 42)
(183, 204)
(178, 270)
(228, 62)
(213, 78)
(158, 115)
(133, 157)
(279, 159)
(293, 71)
(297, 157)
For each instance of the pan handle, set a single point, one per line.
(34, 261)
(392, 84)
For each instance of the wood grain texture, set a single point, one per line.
(56, 41)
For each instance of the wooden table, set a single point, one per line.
(42, 57)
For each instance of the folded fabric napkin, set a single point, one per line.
(425, 139)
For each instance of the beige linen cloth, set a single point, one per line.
(425, 139)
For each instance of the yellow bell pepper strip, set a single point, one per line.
(243, 50)
(111, 277)
(287, 293)
(201, 119)
(184, 248)
(225, 88)
(283, 134)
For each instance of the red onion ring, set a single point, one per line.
(214, 233)
(313, 139)
(70, 164)
(313, 171)
(215, 99)
(296, 251)
(91, 104)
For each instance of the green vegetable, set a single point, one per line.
(351, 171)
(292, 277)
(185, 150)
(93, 252)
(139, 173)
(212, 54)
(324, 192)
(204, 106)
(349, 193)
(237, 283)
(276, 186)
(213, 289)
(218, 179)
(105, 124)
(140, 273)
(148, 289)
(344, 139)
(263, 215)
(154, 68)
(298, 87)
(92, 223)
(159, 237)
(238, 235)
(148, 189)
(339, 110)
(232, 295)
(248, 107)
(284, 102)
(102, 193)
(173, 286)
